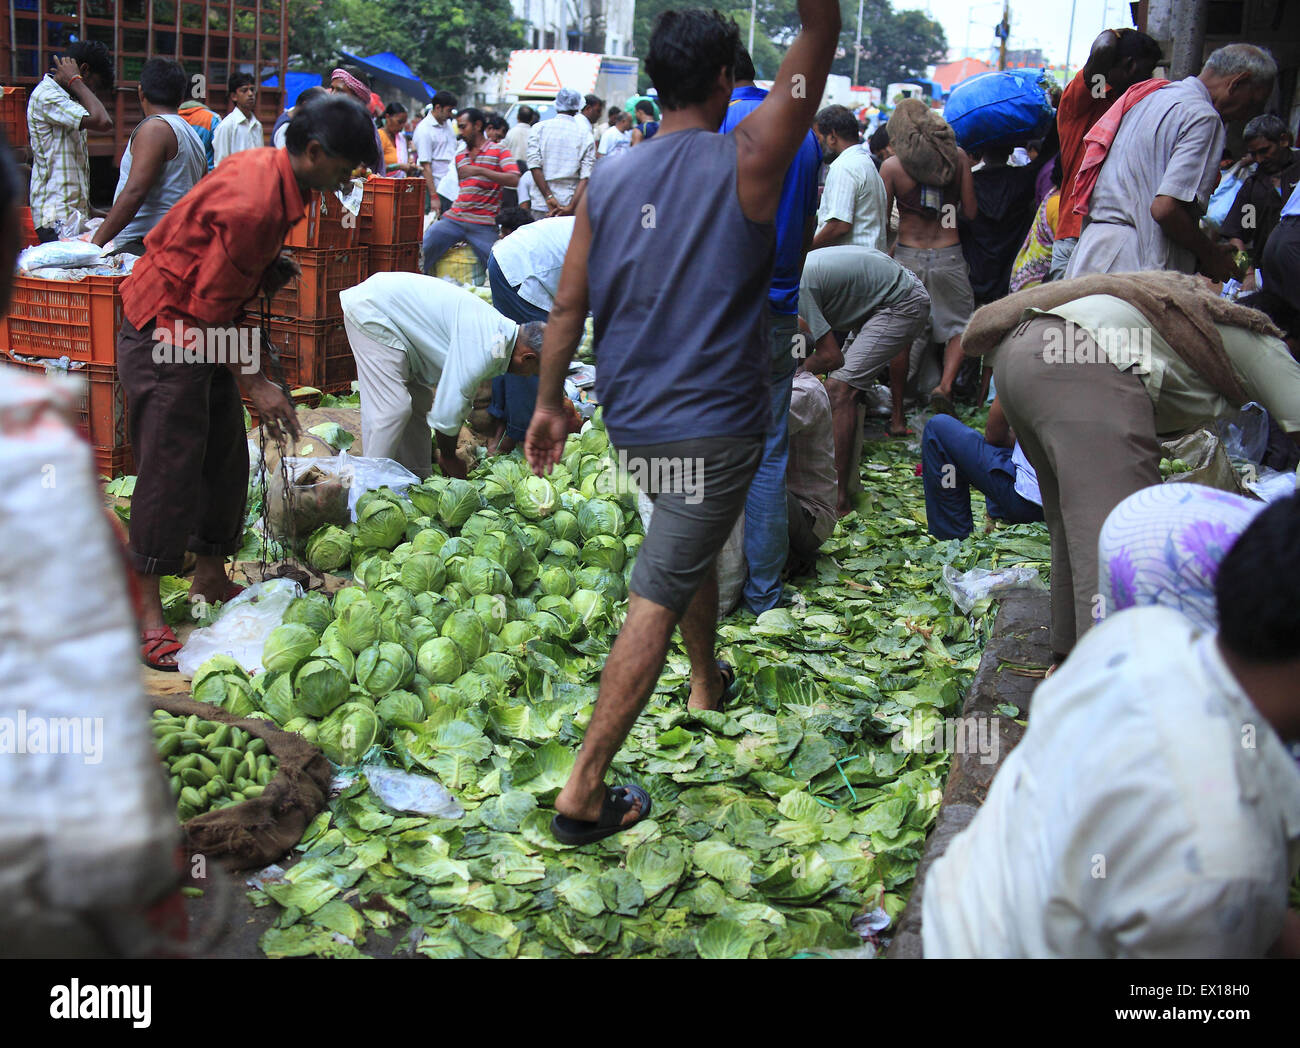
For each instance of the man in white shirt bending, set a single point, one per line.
(1152, 809)
(422, 347)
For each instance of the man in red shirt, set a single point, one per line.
(484, 168)
(1118, 60)
(213, 252)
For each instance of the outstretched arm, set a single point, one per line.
(768, 139)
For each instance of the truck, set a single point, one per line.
(535, 75)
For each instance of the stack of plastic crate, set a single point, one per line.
(392, 223)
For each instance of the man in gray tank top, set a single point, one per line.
(162, 162)
(672, 251)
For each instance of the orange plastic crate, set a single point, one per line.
(102, 413)
(395, 258)
(27, 228)
(313, 353)
(328, 224)
(13, 115)
(392, 211)
(325, 272)
(78, 319)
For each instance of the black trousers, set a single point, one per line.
(191, 455)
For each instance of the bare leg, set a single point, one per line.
(626, 682)
(986, 373)
(897, 380)
(844, 420)
(699, 628)
(952, 358)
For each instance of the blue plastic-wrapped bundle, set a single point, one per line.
(1003, 108)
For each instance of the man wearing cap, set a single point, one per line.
(561, 153)
(344, 83)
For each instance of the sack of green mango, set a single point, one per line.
(1199, 457)
(245, 789)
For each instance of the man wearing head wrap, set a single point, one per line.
(560, 157)
(344, 83)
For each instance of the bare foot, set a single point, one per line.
(707, 694)
(843, 510)
(587, 809)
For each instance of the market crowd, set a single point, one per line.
(1103, 282)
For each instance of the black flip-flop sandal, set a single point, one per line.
(618, 802)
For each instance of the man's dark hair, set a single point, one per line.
(1256, 594)
(879, 140)
(1137, 45)
(687, 48)
(511, 218)
(1276, 308)
(339, 123)
(308, 94)
(526, 115)
(646, 107)
(95, 56)
(1268, 126)
(238, 80)
(393, 108)
(445, 98)
(840, 121)
(592, 100)
(744, 69)
(163, 82)
(476, 116)
(495, 120)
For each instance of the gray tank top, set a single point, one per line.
(678, 280)
(178, 177)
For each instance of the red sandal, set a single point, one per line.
(159, 644)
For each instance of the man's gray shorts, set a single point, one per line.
(889, 331)
(946, 277)
(692, 518)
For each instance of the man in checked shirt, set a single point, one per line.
(560, 157)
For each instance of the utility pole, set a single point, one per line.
(1004, 31)
(1069, 40)
(857, 47)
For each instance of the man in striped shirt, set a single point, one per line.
(484, 169)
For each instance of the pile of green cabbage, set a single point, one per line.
(470, 649)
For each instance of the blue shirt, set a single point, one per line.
(798, 203)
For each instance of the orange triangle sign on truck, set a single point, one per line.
(541, 81)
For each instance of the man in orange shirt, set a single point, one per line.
(1118, 60)
(183, 362)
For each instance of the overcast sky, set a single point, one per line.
(1034, 23)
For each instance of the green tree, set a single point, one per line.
(444, 41)
(896, 44)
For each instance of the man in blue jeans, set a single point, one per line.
(955, 458)
(766, 525)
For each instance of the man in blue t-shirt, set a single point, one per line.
(766, 527)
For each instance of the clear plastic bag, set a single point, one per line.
(371, 473)
(1244, 435)
(321, 489)
(406, 792)
(968, 588)
(241, 628)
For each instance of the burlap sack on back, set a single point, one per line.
(924, 142)
(258, 831)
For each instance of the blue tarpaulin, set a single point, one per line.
(294, 85)
(386, 66)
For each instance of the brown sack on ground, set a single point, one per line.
(257, 832)
(924, 142)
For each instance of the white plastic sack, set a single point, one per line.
(731, 565)
(241, 628)
(86, 822)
